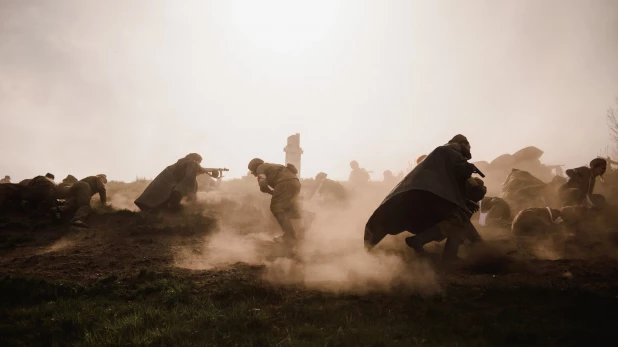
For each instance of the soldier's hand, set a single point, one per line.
(472, 206)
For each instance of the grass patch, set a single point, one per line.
(223, 309)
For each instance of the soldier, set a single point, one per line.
(6, 179)
(536, 221)
(40, 195)
(579, 187)
(174, 183)
(282, 183)
(328, 189)
(390, 179)
(494, 212)
(358, 175)
(79, 202)
(434, 201)
(63, 190)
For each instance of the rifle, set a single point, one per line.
(216, 172)
(477, 171)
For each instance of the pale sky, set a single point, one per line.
(128, 87)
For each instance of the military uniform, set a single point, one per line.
(535, 221)
(496, 212)
(81, 193)
(579, 186)
(40, 194)
(286, 188)
(434, 201)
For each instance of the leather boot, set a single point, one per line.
(419, 240)
(451, 248)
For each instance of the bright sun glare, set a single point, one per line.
(282, 26)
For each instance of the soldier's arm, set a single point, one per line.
(262, 181)
(102, 192)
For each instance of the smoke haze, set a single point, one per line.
(128, 87)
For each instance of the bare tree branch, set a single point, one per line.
(612, 123)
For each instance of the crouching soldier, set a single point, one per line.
(79, 201)
(578, 189)
(40, 195)
(282, 183)
(495, 212)
(434, 201)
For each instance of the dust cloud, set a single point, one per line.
(330, 256)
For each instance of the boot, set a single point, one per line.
(451, 248)
(78, 223)
(289, 234)
(419, 240)
(174, 201)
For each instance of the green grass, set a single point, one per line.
(233, 309)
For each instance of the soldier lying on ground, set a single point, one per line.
(434, 201)
(580, 185)
(282, 183)
(79, 202)
(174, 183)
(494, 212)
(536, 221)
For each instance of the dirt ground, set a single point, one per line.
(504, 296)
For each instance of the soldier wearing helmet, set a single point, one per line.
(282, 183)
(79, 201)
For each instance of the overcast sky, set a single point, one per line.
(128, 87)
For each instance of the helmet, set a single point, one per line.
(254, 163)
(102, 177)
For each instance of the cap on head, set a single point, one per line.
(254, 163)
(70, 179)
(460, 139)
(194, 156)
(320, 176)
(421, 158)
(353, 164)
(598, 162)
(103, 177)
(50, 176)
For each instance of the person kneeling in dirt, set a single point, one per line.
(79, 202)
(328, 191)
(434, 201)
(282, 183)
(494, 212)
(174, 183)
(40, 195)
(578, 189)
(536, 221)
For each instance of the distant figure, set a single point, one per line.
(328, 190)
(578, 189)
(50, 176)
(80, 195)
(358, 175)
(174, 183)
(6, 179)
(390, 179)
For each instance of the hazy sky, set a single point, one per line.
(128, 87)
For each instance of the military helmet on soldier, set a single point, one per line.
(254, 163)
